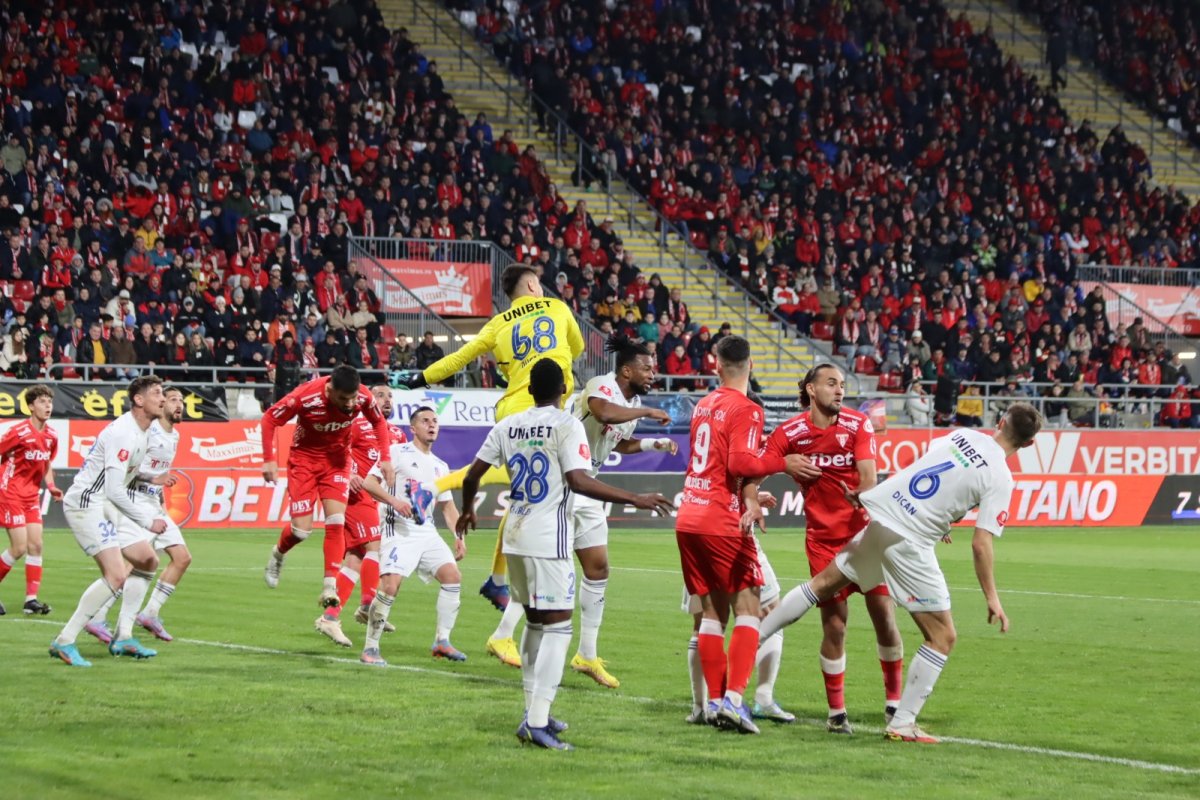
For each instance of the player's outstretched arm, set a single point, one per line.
(663, 444)
(607, 412)
(981, 550)
(584, 484)
(466, 520)
(374, 488)
(452, 364)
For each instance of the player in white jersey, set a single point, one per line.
(546, 452)
(413, 545)
(95, 503)
(153, 475)
(910, 512)
(610, 408)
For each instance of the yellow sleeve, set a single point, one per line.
(574, 336)
(443, 368)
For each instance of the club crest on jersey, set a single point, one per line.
(585, 452)
(1002, 518)
(606, 391)
(842, 438)
(122, 455)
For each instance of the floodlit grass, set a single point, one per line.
(250, 702)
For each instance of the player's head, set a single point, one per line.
(546, 382)
(172, 405)
(823, 388)
(342, 389)
(383, 398)
(40, 400)
(634, 364)
(520, 280)
(146, 393)
(733, 358)
(424, 424)
(1020, 424)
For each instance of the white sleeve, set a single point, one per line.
(573, 450)
(490, 452)
(116, 463)
(993, 505)
(603, 387)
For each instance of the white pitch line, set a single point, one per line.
(962, 589)
(1072, 755)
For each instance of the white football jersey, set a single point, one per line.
(601, 438)
(960, 471)
(416, 476)
(117, 454)
(160, 452)
(539, 447)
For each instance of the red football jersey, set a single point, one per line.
(725, 441)
(322, 430)
(837, 451)
(27, 453)
(365, 453)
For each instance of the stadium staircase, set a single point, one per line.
(480, 83)
(1087, 96)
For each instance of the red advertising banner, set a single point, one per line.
(1178, 306)
(448, 288)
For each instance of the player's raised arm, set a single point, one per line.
(452, 364)
(273, 418)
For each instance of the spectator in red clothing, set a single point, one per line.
(1177, 412)
(678, 364)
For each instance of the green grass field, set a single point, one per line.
(1093, 693)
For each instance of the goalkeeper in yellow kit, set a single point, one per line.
(534, 327)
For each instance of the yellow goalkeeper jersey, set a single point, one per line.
(533, 328)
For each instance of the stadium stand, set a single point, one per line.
(890, 155)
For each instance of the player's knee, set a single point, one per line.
(450, 574)
(301, 533)
(835, 630)
(596, 571)
(17, 550)
(183, 559)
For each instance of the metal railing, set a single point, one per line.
(1089, 74)
(402, 310)
(1148, 276)
(630, 204)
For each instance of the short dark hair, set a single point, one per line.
(168, 388)
(810, 378)
(345, 379)
(1022, 423)
(546, 380)
(38, 390)
(512, 276)
(732, 350)
(625, 349)
(421, 410)
(143, 383)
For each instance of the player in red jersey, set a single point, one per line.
(841, 442)
(319, 464)
(26, 450)
(361, 560)
(713, 529)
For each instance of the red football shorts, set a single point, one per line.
(362, 524)
(725, 564)
(313, 481)
(19, 514)
(820, 555)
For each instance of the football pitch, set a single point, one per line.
(1093, 692)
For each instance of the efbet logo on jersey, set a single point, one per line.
(832, 460)
(37, 455)
(331, 427)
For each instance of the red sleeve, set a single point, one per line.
(745, 442)
(12, 438)
(864, 442)
(371, 411)
(777, 443)
(277, 416)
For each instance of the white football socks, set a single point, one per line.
(591, 613)
(923, 673)
(91, 602)
(508, 621)
(136, 586)
(448, 601)
(548, 671)
(767, 660)
(794, 605)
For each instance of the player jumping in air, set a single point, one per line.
(610, 408)
(713, 530)
(841, 442)
(95, 503)
(910, 512)
(27, 450)
(546, 452)
(146, 492)
(533, 328)
(361, 559)
(319, 464)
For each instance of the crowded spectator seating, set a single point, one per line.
(881, 176)
(1150, 49)
(179, 185)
